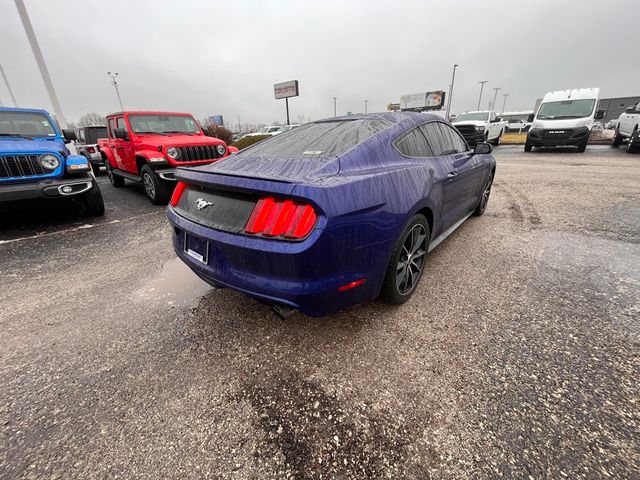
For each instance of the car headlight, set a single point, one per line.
(173, 152)
(221, 149)
(48, 161)
(479, 129)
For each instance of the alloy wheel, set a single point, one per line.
(486, 192)
(149, 186)
(411, 259)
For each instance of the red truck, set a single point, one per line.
(146, 147)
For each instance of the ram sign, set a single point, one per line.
(423, 101)
(286, 89)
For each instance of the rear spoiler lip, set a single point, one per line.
(235, 182)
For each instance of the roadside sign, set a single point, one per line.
(423, 101)
(286, 89)
(216, 120)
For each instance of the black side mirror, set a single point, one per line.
(121, 133)
(530, 117)
(69, 135)
(482, 149)
(630, 109)
(599, 115)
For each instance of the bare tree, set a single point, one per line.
(93, 118)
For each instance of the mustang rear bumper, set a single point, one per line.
(304, 275)
(47, 189)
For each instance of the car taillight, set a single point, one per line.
(91, 150)
(275, 218)
(177, 193)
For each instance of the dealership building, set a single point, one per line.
(613, 107)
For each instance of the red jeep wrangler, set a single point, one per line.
(146, 147)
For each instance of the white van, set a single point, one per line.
(564, 118)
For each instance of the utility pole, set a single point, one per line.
(505, 95)
(495, 95)
(453, 79)
(35, 47)
(365, 106)
(6, 80)
(481, 87)
(114, 82)
(335, 111)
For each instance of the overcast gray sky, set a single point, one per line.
(223, 57)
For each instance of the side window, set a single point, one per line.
(80, 135)
(492, 118)
(120, 122)
(455, 140)
(112, 125)
(413, 144)
(435, 139)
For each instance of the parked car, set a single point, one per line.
(272, 130)
(333, 213)
(611, 124)
(517, 121)
(564, 118)
(146, 147)
(35, 162)
(481, 126)
(628, 128)
(87, 144)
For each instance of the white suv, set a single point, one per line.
(628, 128)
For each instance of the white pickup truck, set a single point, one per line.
(481, 126)
(628, 128)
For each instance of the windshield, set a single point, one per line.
(322, 139)
(26, 124)
(473, 116)
(566, 109)
(162, 124)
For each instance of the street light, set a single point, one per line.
(505, 95)
(453, 79)
(6, 80)
(365, 106)
(335, 114)
(495, 95)
(114, 82)
(481, 87)
(37, 53)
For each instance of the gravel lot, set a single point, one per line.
(517, 357)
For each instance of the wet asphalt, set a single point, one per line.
(517, 357)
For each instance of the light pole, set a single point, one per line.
(505, 95)
(35, 48)
(114, 82)
(6, 80)
(365, 106)
(453, 79)
(495, 95)
(481, 87)
(335, 111)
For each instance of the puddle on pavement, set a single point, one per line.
(176, 285)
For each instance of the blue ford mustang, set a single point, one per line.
(332, 213)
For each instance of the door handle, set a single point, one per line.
(452, 174)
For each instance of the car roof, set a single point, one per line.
(147, 112)
(25, 110)
(573, 94)
(399, 119)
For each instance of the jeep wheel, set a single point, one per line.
(91, 202)
(96, 169)
(158, 190)
(527, 147)
(116, 180)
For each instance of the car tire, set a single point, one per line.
(158, 190)
(116, 180)
(617, 139)
(484, 198)
(583, 146)
(486, 138)
(527, 147)
(96, 169)
(397, 288)
(632, 144)
(91, 202)
(498, 139)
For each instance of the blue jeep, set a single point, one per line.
(36, 164)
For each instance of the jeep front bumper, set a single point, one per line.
(49, 188)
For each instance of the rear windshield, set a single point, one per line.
(94, 133)
(322, 139)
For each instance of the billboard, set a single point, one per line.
(215, 120)
(423, 101)
(286, 89)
